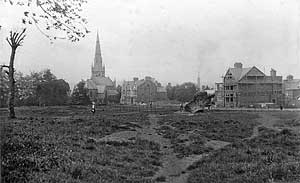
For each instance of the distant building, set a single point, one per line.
(101, 89)
(291, 90)
(219, 95)
(244, 87)
(142, 91)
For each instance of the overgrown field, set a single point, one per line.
(288, 119)
(188, 134)
(61, 144)
(270, 157)
(58, 145)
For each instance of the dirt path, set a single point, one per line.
(174, 168)
(266, 120)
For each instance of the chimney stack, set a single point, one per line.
(273, 73)
(290, 77)
(238, 65)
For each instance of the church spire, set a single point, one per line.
(98, 70)
(98, 57)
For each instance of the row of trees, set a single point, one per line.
(37, 88)
(44, 88)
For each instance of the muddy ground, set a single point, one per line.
(68, 144)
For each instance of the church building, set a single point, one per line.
(101, 89)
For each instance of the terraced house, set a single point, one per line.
(246, 87)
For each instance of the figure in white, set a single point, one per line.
(93, 108)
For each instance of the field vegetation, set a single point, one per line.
(61, 144)
(271, 157)
(189, 134)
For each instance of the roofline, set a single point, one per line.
(250, 70)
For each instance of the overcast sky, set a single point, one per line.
(170, 40)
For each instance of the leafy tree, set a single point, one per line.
(80, 94)
(185, 92)
(47, 75)
(26, 86)
(115, 98)
(61, 15)
(3, 88)
(171, 92)
(54, 92)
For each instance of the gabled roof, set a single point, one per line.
(103, 81)
(90, 84)
(239, 73)
(99, 84)
(131, 83)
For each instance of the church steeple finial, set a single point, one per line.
(97, 37)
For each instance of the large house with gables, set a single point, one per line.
(245, 87)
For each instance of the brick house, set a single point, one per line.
(142, 91)
(245, 87)
(219, 94)
(291, 90)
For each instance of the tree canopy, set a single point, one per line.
(80, 94)
(183, 93)
(36, 88)
(63, 16)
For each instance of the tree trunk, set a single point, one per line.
(11, 97)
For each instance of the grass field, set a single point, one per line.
(61, 144)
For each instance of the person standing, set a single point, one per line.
(93, 108)
(181, 107)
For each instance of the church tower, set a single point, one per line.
(98, 70)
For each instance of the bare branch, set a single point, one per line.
(13, 38)
(8, 42)
(20, 38)
(6, 66)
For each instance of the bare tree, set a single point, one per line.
(46, 15)
(15, 40)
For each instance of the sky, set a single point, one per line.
(170, 40)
